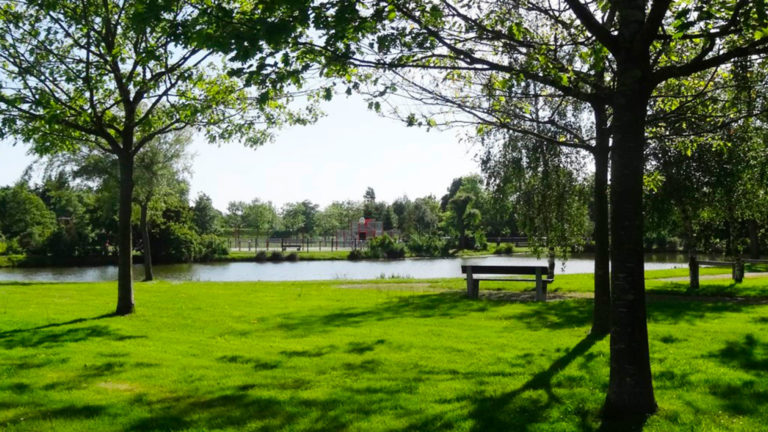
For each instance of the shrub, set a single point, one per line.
(211, 246)
(427, 245)
(505, 249)
(293, 256)
(673, 245)
(355, 254)
(385, 246)
(12, 247)
(479, 241)
(276, 256)
(261, 256)
(182, 244)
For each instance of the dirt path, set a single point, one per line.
(714, 277)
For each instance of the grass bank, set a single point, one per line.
(363, 356)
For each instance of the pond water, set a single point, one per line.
(314, 270)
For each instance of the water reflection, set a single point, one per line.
(314, 270)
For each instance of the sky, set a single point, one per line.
(336, 159)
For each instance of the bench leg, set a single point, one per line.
(541, 288)
(473, 286)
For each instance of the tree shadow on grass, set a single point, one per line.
(50, 339)
(518, 409)
(749, 354)
(35, 361)
(412, 306)
(240, 410)
(66, 412)
(677, 309)
(739, 395)
(49, 335)
(6, 333)
(713, 288)
(91, 374)
(30, 283)
(555, 315)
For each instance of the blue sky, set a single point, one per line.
(335, 159)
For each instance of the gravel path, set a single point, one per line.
(714, 277)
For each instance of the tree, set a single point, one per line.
(549, 200)
(260, 216)
(559, 45)
(24, 217)
(369, 196)
(205, 217)
(337, 216)
(159, 178)
(704, 163)
(463, 210)
(75, 208)
(463, 219)
(113, 76)
(300, 217)
(235, 218)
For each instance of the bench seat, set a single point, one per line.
(541, 277)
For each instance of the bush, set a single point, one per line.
(261, 256)
(275, 256)
(355, 254)
(293, 256)
(479, 242)
(505, 249)
(385, 246)
(673, 245)
(182, 244)
(427, 246)
(211, 246)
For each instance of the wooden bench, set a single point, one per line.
(737, 268)
(540, 273)
(288, 245)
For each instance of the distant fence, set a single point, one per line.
(325, 243)
(517, 241)
(328, 243)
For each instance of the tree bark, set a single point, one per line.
(693, 270)
(630, 388)
(125, 303)
(148, 274)
(754, 239)
(601, 318)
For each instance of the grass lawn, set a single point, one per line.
(365, 356)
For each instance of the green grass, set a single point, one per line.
(361, 356)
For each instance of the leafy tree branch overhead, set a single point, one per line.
(114, 75)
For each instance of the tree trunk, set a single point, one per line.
(693, 269)
(630, 388)
(148, 274)
(601, 317)
(754, 239)
(125, 304)
(690, 247)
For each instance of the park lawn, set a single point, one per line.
(351, 355)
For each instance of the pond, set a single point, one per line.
(420, 268)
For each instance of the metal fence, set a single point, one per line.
(330, 243)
